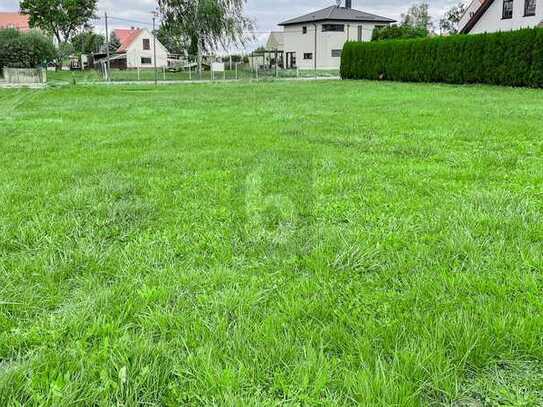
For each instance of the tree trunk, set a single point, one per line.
(58, 66)
(199, 57)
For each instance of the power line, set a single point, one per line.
(149, 23)
(128, 20)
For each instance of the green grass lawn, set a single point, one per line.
(315, 243)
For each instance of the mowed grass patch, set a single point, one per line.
(324, 243)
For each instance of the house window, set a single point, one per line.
(146, 44)
(333, 27)
(304, 29)
(308, 55)
(360, 31)
(529, 8)
(507, 9)
(336, 53)
(146, 61)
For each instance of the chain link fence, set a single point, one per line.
(133, 53)
(190, 73)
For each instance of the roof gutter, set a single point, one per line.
(286, 23)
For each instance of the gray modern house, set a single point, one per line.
(315, 40)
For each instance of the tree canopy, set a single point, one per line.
(114, 43)
(418, 16)
(174, 41)
(398, 32)
(206, 25)
(451, 18)
(416, 23)
(61, 18)
(25, 50)
(87, 42)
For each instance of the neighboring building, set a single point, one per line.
(501, 15)
(276, 41)
(271, 55)
(136, 49)
(14, 20)
(316, 40)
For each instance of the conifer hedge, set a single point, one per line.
(506, 58)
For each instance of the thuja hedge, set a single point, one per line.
(507, 58)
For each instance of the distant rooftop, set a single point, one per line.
(336, 13)
(126, 37)
(14, 20)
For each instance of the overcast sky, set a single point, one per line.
(266, 13)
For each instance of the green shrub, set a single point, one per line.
(25, 50)
(398, 32)
(507, 58)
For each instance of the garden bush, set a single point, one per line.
(506, 58)
(398, 32)
(25, 49)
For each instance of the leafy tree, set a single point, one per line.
(418, 16)
(25, 50)
(61, 18)
(236, 58)
(451, 18)
(114, 43)
(175, 42)
(64, 51)
(206, 25)
(398, 32)
(87, 42)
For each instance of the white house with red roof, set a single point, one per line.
(137, 46)
(14, 20)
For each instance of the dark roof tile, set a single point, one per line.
(337, 14)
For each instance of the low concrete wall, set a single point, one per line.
(19, 75)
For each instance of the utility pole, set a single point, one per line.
(276, 64)
(199, 45)
(315, 55)
(155, 14)
(108, 65)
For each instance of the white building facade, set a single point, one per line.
(138, 47)
(501, 15)
(316, 40)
